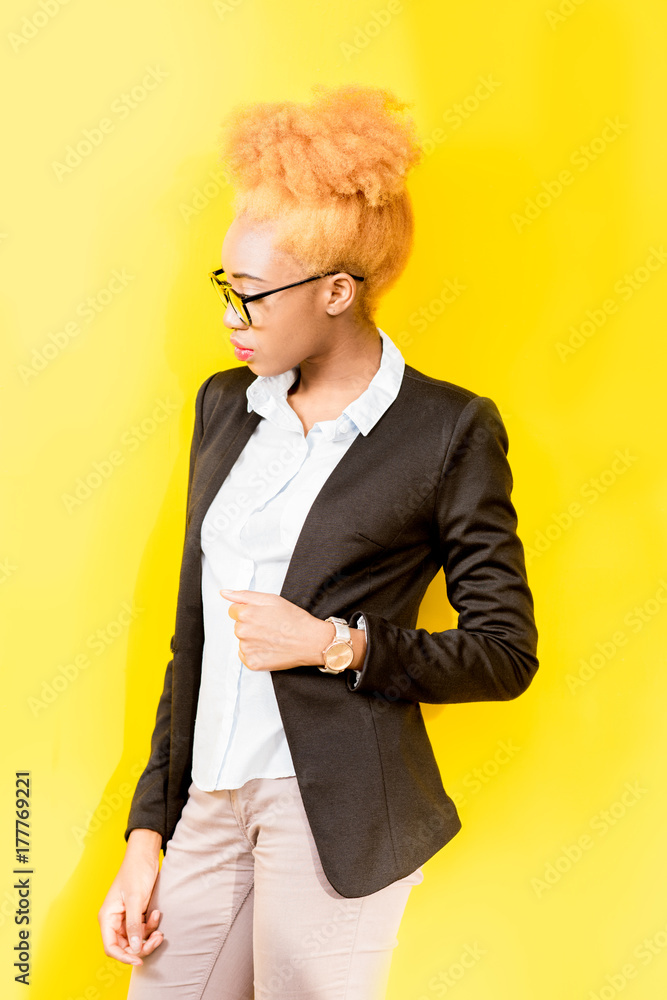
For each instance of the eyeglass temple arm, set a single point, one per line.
(262, 295)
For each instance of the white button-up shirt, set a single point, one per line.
(247, 540)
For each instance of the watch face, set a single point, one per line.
(339, 655)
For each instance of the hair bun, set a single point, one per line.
(351, 140)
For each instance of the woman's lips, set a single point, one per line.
(242, 353)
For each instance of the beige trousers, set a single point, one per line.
(248, 914)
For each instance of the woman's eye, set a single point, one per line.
(242, 295)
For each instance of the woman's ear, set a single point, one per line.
(341, 293)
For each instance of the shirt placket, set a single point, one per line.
(255, 547)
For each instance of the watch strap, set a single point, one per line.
(342, 634)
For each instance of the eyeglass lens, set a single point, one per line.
(229, 297)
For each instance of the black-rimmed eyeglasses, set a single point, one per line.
(238, 301)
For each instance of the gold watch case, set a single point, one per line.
(338, 655)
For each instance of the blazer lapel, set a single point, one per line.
(330, 523)
(337, 511)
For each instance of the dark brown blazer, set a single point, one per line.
(428, 488)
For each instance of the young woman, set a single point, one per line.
(291, 782)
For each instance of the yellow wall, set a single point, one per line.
(546, 200)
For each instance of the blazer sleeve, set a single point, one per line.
(148, 806)
(491, 655)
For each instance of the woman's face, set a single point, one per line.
(287, 327)
(306, 323)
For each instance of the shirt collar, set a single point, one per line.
(267, 396)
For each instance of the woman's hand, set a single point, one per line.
(124, 934)
(275, 634)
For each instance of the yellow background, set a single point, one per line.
(585, 424)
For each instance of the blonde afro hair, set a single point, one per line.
(330, 175)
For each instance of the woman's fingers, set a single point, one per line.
(124, 934)
(113, 938)
(152, 942)
(134, 920)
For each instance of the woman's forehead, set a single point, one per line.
(249, 248)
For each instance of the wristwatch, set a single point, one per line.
(339, 653)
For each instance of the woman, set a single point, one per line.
(291, 782)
